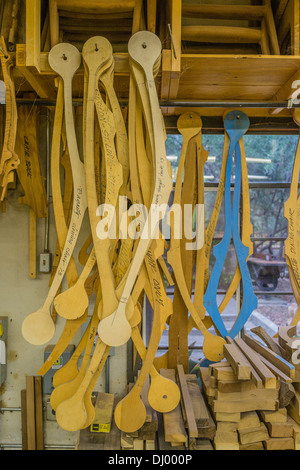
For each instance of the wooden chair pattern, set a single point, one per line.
(232, 25)
(76, 21)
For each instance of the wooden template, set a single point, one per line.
(38, 328)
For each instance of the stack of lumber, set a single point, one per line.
(190, 425)
(288, 341)
(281, 430)
(248, 392)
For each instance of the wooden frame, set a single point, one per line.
(288, 25)
(197, 77)
(91, 8)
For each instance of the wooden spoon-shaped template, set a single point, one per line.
(97, 54)
(38, 328)
(145, 49)
(189, 126)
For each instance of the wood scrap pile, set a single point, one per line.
(253, 394)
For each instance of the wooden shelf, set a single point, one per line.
(201, 78)
(229, 77)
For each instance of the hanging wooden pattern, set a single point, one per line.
(213, 345)
(62, 209)
(133, 163)
(38, 327)
(247, 229)
(163, 395)
(146, 58)
(236, 125)
(292, 214)
(9, 160)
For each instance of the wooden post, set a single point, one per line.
(53, 22)
(175, 15)
(33, 33)
(30, 414)
(39, 421)
(151, 15)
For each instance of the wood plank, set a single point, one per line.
(223, 11)
(187, 403)
(24, 420)
(239, 363)
(272, 357)
(39, 414)
(203, 76)
(261, 333)
(32, 244)
(245, 405)
(220, 34)
(225, 373)
(279, 416)
(201, 444)
(293, 412)
(96, 5)
(279, 443)
(296, 432)
(280, 429)
(33, 33)
(228, 386)
(176, 29)
(268, 378)
(202, 415)
(255, 446)
(173, 422)
(248, 420)
(233, 417)
(258, 394)
(162, 444)
(226, 426)
(226, 441)
(30, 413)
(151, 15)
(252, 435)
(283, 377)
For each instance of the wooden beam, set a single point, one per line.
(53, 22)
(267, 376)
(238, 361)
(187, 403)
(221, 34)
(33, 33)
(151, 15)
(39, 416)
(32, 244)
(32, 75)
(175, 15)
(238, 12)
(30, 413)
(24, 420)
(96, 5)
(272, 357)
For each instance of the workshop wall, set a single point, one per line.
(20, 296)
